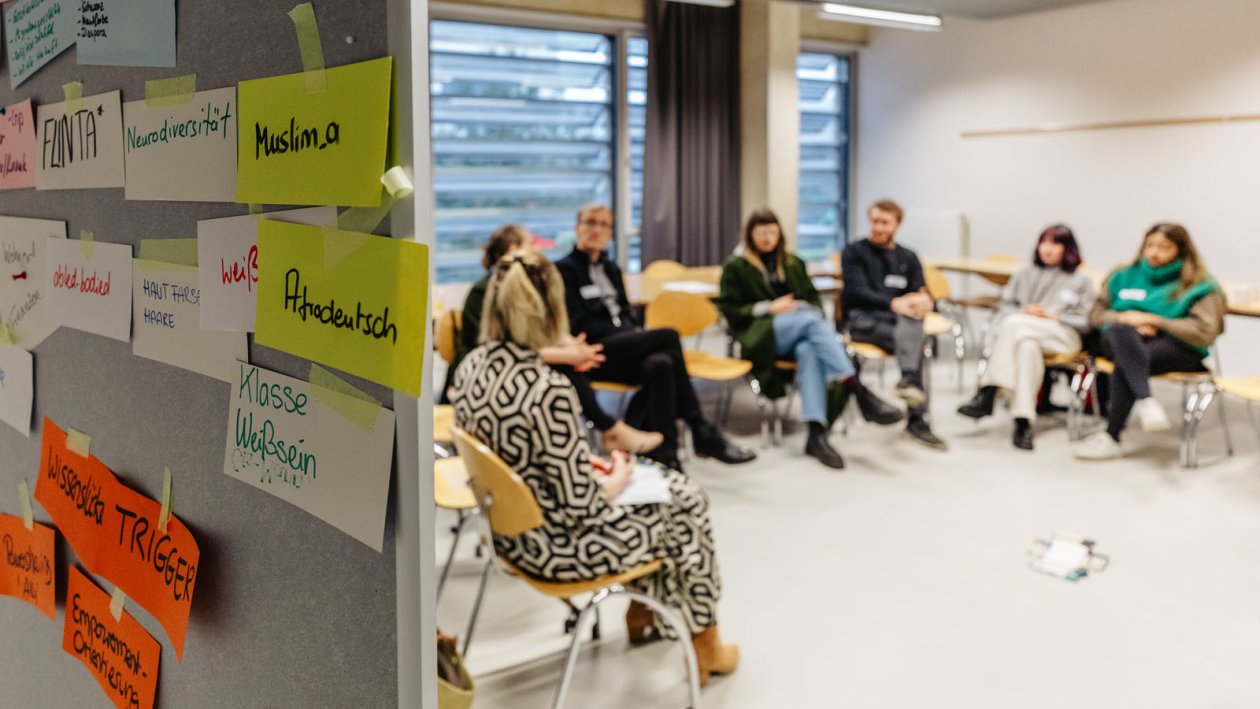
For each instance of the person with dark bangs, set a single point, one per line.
(1044, 311)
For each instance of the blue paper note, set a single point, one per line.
(35, 31)
(126, 32)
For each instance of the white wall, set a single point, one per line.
(1110, 61)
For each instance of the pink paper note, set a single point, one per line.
(17, 147)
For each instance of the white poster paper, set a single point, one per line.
(185, 152)
(22, 294)
(81, 148)
(284, 439)
(89, 287)
(227, 251)
(165, 322)
(17, 387)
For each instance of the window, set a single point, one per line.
(524, 131)
(824, 167)
(636, 99)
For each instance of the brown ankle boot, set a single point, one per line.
(624, 437)
(641, 624)
(712, 656)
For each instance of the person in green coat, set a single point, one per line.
(774, 312)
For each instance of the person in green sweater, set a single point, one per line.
(1159, 314)
(573, 356)
(773, 311)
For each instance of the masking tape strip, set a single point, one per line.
(365, 219)
(178, 251)
(340, 245)
(165, 515)
(116, 603)
(255, 209)
(169, 92)
(78, 442)
(28, 513)
(343, 397)
(303, 17)
(85, 244)
(8, 336)
(74, 96)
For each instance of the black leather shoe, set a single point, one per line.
(980, 405)
(1023, 437)
(710, 443)
(919, 430)
(875, 409)
(817, 446)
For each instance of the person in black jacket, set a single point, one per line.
(595, 297)
(885, 300)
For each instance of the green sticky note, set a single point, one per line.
(351, 301)
(297, 146)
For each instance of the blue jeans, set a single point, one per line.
(820, 357)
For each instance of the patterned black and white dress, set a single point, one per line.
(528, 413)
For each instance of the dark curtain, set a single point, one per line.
(691, 170)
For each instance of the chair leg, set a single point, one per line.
(762, 402)
(1190, 405)
(662, 611)
(1229, 438)
(450, 558)
(476, 611)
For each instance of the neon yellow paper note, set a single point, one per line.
(325, 147)
(351, 301)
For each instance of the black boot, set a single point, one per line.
(709, 442)
(875, 409)
(1023, 437)
(981, 404)
(919, 430)
(819, 447)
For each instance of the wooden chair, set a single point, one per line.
(664, 270)
(1198, 390)
(1245, 388)
(937, 324)
(508, 508)
(448, 329)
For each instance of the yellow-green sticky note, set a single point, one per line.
(362, 313)
(328, 147)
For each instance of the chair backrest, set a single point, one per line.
(835, 263)
(506, 501)
(1002, 258)
(937, 283)
(687, 313)
(664, 269)
(448, 327)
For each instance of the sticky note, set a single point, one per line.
(80, 148)
(361, 310)
(17, 387)
(90, 294)
(120, 654)
(183, 152)
(35, 32)
(317, 148)
(28, 568)
(227, 255)
(114, 531)
(22, 254)
(17, 147)
(285, 441)
(166, 322)
(126, 32)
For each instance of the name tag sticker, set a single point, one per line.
(588, 292)
(1138, 294)
(894, 280)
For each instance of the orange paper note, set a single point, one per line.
(28, 568)
(114, 530)
(120, 654)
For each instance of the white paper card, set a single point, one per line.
(81, 149)
(283, 440)
(22, 295)
(166, 320)
(17, 387)
(185, 152)
(89, 293)
(648, 485)
(227, 251)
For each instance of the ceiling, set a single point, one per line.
(974, 9)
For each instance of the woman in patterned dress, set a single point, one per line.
(528, 413)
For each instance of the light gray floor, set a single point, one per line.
(902, 581)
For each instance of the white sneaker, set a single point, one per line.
(1099, 446)
(1151, 416)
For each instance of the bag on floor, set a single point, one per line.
(455, 685)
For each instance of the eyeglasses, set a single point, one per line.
(597, 223)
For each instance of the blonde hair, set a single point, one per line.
(525, 302)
